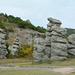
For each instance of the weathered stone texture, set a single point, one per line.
(55, 42)
(71, 45)
(3, 51)
(14, 48)
(39, 49)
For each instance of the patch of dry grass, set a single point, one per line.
(15, 60)
(27, 72)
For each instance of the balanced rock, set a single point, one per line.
(55, 42)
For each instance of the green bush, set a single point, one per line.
(7, 36)
(43, 36)
(9, 55)
(25, 51)
(2, 25)
(0, 53)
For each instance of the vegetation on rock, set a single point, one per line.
(4, 18)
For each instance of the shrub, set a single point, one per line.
(0, 53)
(2, 25)
(9, 55)
(43, 36)
(25, 51)
(7, 36)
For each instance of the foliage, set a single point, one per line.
(43, 35)
(2, 25)
(9, 55)
(25, 51)
(20, 22)
(70, 31)
(0, 53)
(7, 36)
(11, 29)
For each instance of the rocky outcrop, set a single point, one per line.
(14, 48)
(56, 44)
(39, 49)
(3, 51)
(71, 45)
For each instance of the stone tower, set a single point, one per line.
(55, 42)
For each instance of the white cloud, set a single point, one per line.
(38, 10)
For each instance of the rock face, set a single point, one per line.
(3, 51)
(71, 45)
(14, 48)
(56, 44)
(39, 49)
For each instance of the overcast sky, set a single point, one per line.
(37, 11)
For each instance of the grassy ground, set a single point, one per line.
(73, 73)
(15, 60)
(28, 62)
(27, 72)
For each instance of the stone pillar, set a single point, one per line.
(38, 53)
(3, 51)
(56, 44)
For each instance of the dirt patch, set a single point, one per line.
(64, 70)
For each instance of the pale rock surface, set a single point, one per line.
(71, 45)
(14, 48)
(55, 42)
(39, 49)
(3, 51)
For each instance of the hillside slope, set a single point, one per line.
(70, 31)
(8, 22)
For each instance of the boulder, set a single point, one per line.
(71, 45)
(39, 50)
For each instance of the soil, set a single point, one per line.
(62, 70)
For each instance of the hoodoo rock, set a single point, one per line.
(55, 42)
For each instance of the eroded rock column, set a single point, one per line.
(56, 46)
(39, 49)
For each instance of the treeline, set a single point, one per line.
(70, 31)
(20, 22)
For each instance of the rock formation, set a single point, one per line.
(3, 51)
(39, 49)
(14, 48)
(56, 44)
(71, 45)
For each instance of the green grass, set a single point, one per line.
(28, 62)
(73, 73)
(15, 60)
(27, 72)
